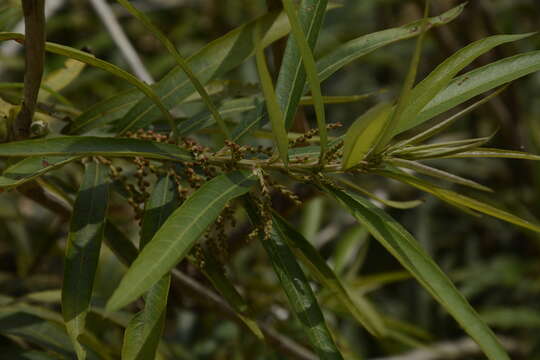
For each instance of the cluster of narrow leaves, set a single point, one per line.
(185, 193)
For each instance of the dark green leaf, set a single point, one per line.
(82, 250)
(178, 234)
(405, 248)
(303, 250)
(92, 146)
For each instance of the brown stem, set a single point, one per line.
(34, 45)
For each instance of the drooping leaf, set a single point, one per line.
(305, 45)
(310, 257)
(91, 60)
(298, 291)
(93, 146)
(459, 199)
(272, 106)
(363, 134)
(178, 234)
(408, 252)
(31, 168)
(435, 94)
(82, 250)
(144, 330)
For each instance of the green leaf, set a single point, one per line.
(298, 291)
(62, 77)
(459, 199)
(438, 79)
(436, 173)
(292, 74)
(314, 12)
(144, 330)
(31, 168)
(82, 251)
(178, 234)
(142, 335)
(363, 134)
(120, 244)
(272, 106)
(402, 205)
(405, 96)
(35, 329)
(477, 81)
(310, 257)
(91, 60)
(494, 153)
(408, 252)
(93, 146)
(354, 49)
(103, 112)
(214, 60)
(179, 60)
(443, 125)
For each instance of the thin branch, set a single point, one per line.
(118, 35)
(34, 48)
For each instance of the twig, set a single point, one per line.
(118, 35)
(34, 48)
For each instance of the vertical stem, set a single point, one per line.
(34, 47)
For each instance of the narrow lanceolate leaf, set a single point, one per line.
(31, 168)
(494, 153)
(363, 134)
(214, 60)
(91, 60)
(216, 274)
(298, 291)
(407, 251)
(178, 234)
(93, 146)
(82, 251)
(443, 125)
(179, 60)
(457, 199)
(402, 205)
(308, 60)
(62, 77)
(406, 90)
(354, 49)
(272, 106)
(303, 250)
(144, 330)
(437, 173)
(292, 74)
(477, 81)
(439, 78)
